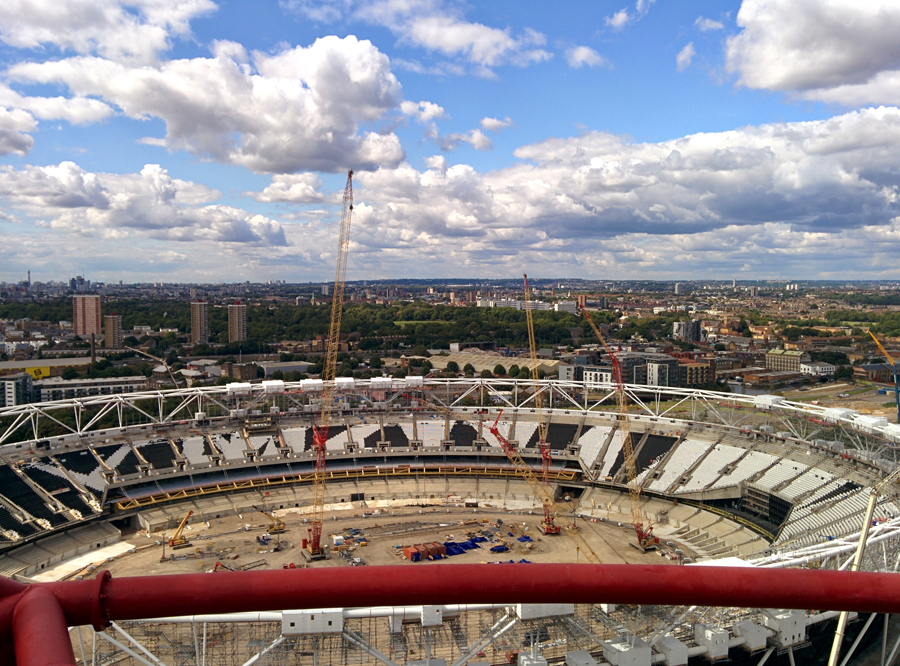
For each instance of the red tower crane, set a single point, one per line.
(642, 528)
(329, 369)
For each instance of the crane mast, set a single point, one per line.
(549, 525)
(329, 369)
(893, 369)
(642, 528)
(178, 540)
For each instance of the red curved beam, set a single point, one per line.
(39, 625)
(105, 599)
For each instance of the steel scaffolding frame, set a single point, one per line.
(495, 636)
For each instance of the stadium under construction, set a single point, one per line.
(417, 476)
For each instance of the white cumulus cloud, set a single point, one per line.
(495, 125)
(622, 17)
(14, 127)
(580, 56)
(299, 109)
(300, 188)
(131, 30)
(685, 56)
(76, 110)
(438, 27)
(708, 24)
(424, 112)
(840, 51)
(779, 197)
(618, 20)
(150, 204)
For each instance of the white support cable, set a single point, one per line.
(127, 650)
(137, 644)
(766, 655)
(81, 645)
(491, 635)
(665, 629)
(359, 642)
(196, 643)
(859, 638)
(274, 644)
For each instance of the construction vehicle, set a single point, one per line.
(178, 540)
(277, 526)
(894, 368)
(313, 550)
(548, 526)
(642, 528)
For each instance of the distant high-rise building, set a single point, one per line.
(754, 292)
(325, 290)
(237, 322)
(112, 330)
(86, 315)
(15, 389)
(199, 322)
(678, 289)
(689, 331)
(733, 283)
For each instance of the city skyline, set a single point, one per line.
(203, 142)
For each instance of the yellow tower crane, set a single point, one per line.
(549, 525)
(329, 369)
(894, 369)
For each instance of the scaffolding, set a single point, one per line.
(496, 635)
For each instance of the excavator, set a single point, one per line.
(277, 526)
(178, 540)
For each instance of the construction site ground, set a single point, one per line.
(233, 542)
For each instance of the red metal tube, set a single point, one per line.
(95, 602)
(40, 632)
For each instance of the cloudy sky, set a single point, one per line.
(195, 140)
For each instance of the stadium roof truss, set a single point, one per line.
(801, 421)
